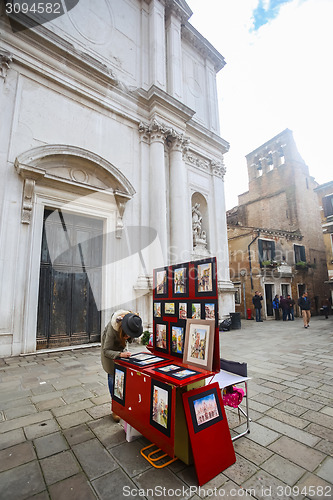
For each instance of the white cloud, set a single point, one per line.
(277, 77)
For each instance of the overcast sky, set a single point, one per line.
(279, 74)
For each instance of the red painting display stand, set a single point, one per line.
(149, 387)
(212, 447)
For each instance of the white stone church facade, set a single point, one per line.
(109, 138)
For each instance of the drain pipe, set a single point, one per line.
(249, 252)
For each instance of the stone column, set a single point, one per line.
(174, 56)
(157, 192)
(157, 44)
(180, 209)
(225, 286)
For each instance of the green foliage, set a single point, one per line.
(145, 337)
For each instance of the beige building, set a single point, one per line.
(275, 238)
(325, 196)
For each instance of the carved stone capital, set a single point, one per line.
(218, 169)
(158, 131)
(5, 59)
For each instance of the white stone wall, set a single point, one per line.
(96, 100)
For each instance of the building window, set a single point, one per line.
(284, 290)
(266, 251)
(328, 205)
(238, 297)
(299, 252)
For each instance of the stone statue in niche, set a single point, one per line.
(199, 235)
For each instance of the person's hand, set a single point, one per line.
(125, 354)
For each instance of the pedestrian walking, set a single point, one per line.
(284, 307)
(276, 307)
(256, 301)
(290, 308)
(305, 305)
(121, 329)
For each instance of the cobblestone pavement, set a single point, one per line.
(57, 439)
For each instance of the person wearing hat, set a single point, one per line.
(122, 328)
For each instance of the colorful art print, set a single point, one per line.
(180, 280)
(141, 356)
(182, 310)
(205, 409)
(205, 283)
(161, 337)
(169, 308)
(199, 343)
(157, 309)
(119, 384)
(183, 374)
(209, 310)
(167, 369)
(161, 282)
(150, 361)
(196, 311)
(161, 406)
(177, 339)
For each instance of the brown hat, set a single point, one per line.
(132, 325)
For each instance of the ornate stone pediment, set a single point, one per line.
(70, 165)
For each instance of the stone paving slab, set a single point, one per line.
(58, 441)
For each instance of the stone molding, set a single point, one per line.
(5, 59)
(75, 166)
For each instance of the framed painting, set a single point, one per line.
(182, 310)
(119, 384)
(182, 374)
(208, 430)
(169, 308)
(199, 343)
(196, 310)
(177, 339)
(205, 409)
(205, 278)
(160, 406)
(161, 336)
(180, 281)
(158, 309)
(161, 282)
(167, 369)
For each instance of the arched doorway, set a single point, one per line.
(72, 198)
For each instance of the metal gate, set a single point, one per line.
(70, 280)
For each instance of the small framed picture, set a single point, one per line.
(205, 409)
(209, 310)
(182, 310)
(177, 339)
(196, 310)
(180, 280)
(199, 343)
(181, 374)
(161, 406)
(119, 384)
(205, 282)
(158, 309)
(169, 308)
(161, 336)
(167, 369)
(161, 282)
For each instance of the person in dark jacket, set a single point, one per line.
(276, 307)
(284, 307)
(305, 305)
(290, 308)
(122, 328)
(256, 301)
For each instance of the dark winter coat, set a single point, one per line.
(304, 303)
(257, 301)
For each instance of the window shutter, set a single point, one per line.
(302, 253)
(273, 250)
(328, 205)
